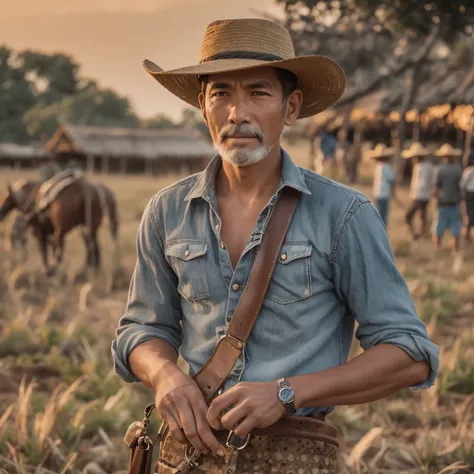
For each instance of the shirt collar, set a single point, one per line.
(291, 176)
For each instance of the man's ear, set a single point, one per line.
(293, 107)
(202, 104)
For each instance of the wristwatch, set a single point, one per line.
(286, 395)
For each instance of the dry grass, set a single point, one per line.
(63, 410)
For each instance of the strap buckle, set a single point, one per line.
(233, 341)
(232, 439)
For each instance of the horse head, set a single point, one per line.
(19, 196)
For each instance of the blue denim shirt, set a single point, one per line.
(339, 267)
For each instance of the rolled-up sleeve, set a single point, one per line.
(376, 293)
(153, 307)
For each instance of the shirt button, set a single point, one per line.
(186, 253)
(217, 227)
(222, 245)
(283, 257)
(235, 287)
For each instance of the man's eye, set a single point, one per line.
(260, 93)
(218, 94)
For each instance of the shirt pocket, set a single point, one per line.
(188, 259)
(291, 279)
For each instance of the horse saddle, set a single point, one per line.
(50, 190)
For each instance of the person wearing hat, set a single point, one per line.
(384, 186)
(467, 190)
(198, 239)
(420, 185)
(447, 192)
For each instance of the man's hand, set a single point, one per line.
(254, 405)
(181, 404)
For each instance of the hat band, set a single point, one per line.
(242, 55)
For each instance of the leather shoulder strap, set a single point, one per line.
(214, 373)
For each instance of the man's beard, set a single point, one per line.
(242, 156)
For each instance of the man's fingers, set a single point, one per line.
(204, 429)
(233, 417)
(189, 427)
(221, 403)
(245, 427)
(173, 425)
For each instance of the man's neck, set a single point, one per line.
(250, 182)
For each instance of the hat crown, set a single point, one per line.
(246, 36)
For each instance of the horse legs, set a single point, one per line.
(43, 246)
(58, 246)
(89, 250)
(95, 251)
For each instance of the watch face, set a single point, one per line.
(286, 395)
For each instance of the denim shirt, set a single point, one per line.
(338, 268)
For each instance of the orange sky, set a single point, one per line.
(110, 38)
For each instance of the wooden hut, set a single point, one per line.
(127, 150)
(17, 156)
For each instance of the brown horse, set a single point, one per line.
(80, 203)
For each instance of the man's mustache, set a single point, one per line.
(243, 129)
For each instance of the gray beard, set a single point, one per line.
(241, 156)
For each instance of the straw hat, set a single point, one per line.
(448, 150)
(381, 151)
(416, 150)
(232, 45)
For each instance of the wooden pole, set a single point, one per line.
(148, 166)
(123, 165)
(90, 164)
(105, 164)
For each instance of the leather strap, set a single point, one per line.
(214, 373)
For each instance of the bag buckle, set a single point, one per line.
(233, 441)
(192, 455)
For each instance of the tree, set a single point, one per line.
(158, 121)
(396, 44)
(40, 91)
(91, 106)
(376, 41)
(16, 98)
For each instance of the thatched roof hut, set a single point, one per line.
(130, 150)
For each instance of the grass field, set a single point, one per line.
(63, 410)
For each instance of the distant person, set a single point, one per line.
(384, 179)
(328, 146)
(420, 186)
(467, 194)
(447, 191)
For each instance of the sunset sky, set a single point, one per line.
(110, 38)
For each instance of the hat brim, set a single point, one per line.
(321, 80)
(417, 154)
(449, 154)
(379, 156)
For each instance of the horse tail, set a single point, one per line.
(109, 205)
(113, 214)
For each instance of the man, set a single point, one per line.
(448, 194)
(198, 239)
(420, 186)
(467, 190)
(384, 187)
(328, 145)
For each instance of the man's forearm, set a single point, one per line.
(376, 373)
(147, 360)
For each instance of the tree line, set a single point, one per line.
(39, 91)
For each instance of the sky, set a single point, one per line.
(110, 38)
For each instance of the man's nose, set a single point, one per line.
(239, 111)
